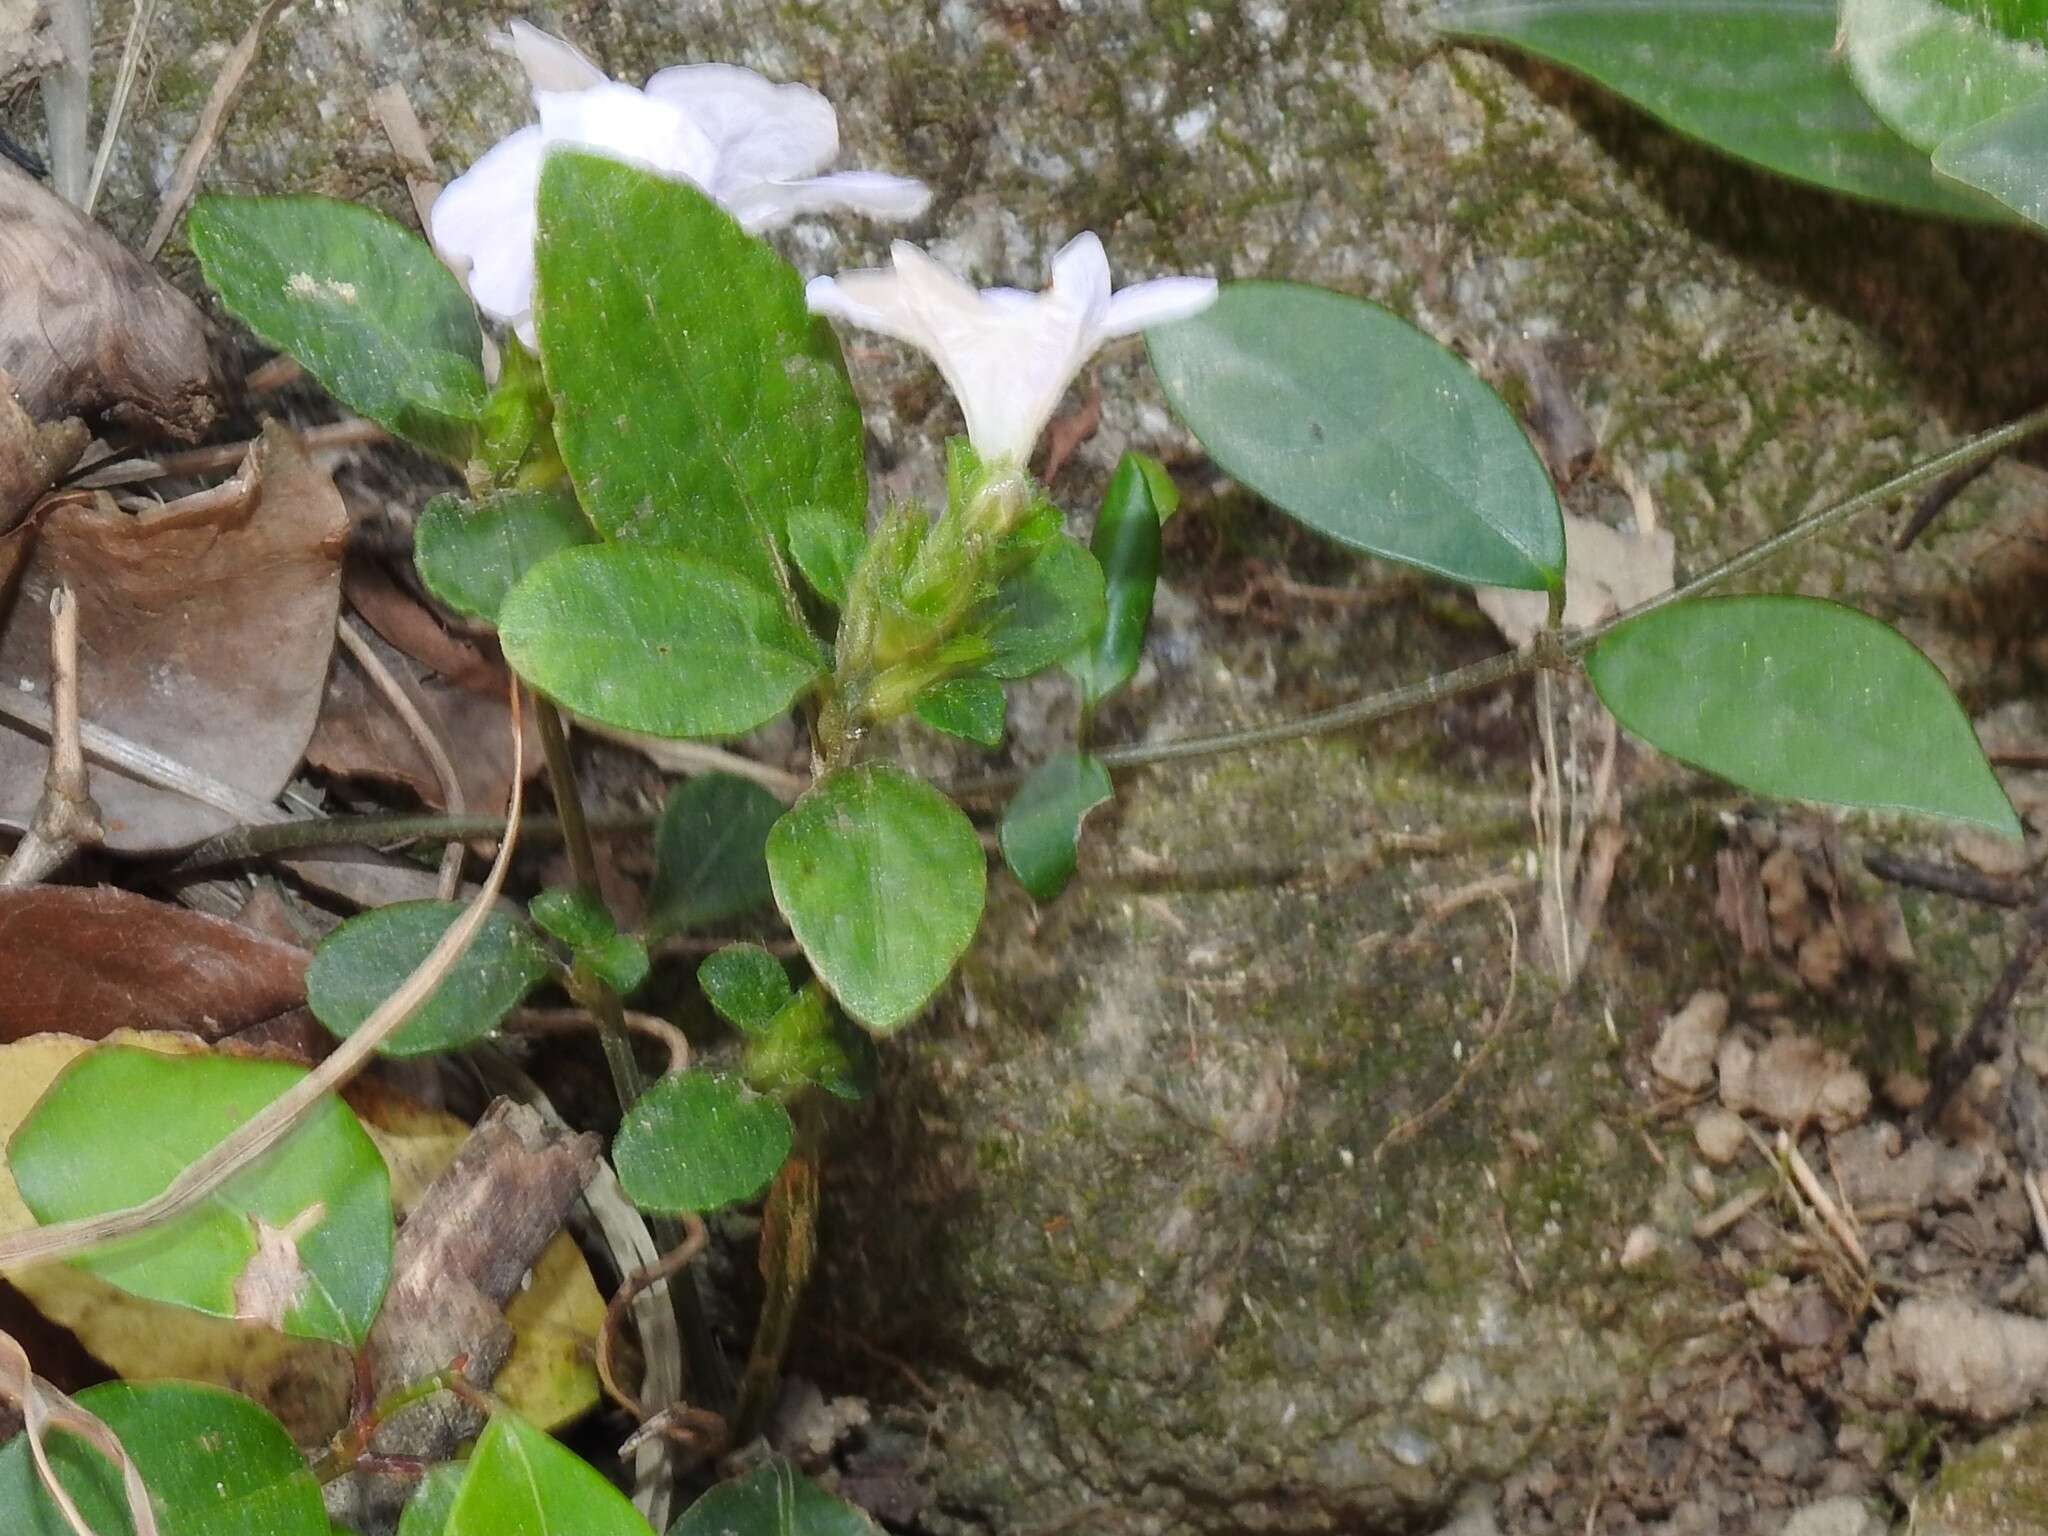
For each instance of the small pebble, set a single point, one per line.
(1642, 1246)
(1720, 1135)
(1687, 1041)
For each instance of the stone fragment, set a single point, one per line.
(1720, 1135)
(1953, 1356)
(1841, 1516)
(1686, 1042)
(1794, 1082)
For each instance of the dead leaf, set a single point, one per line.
(91, 961)
(205, 634)
(32, 457)
(88, 329)
(1607, 570)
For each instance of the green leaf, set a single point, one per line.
(470, 554)
(366, 959)
(521, 1482)
(1929, 71)
(1126, 545)
(1045, 612)
(360, 301)
(621, 962)
(1041, 831)
(710, 853)
(882, 880)
(2005, 157)
(215, 1464)
(1799, 698)
(1351, 421)
(1756, 79)
(746, 984)
(971, 707)
(699, 1141)
(772, 1500)
(300, 1241)
(573, 915)
(654, 641)
(826, 548)
(808, 1044)
(697, 402)
(433, 1501)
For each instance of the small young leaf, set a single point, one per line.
(1045, 612)
(521, 1482)
(433, 1501)
(654, 641)
(699, 1141)
(1932, 71)
(360, 301)
(774, 1499)
(808, 1044)
(1351, 421)
(300, 1241)
(704, 430)
(573, 915)
(971, 707)
(746, 984)
(364, 960)
(882, 880)
(215, 1464)
(1759, 81)
(1041, 831)
(621, 962)
(470, 554)
(1800, 698)
(2005, 157)
(1126, 545)
(826, 548)
(710, 853)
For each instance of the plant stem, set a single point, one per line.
(256, 839)
(789, 1243)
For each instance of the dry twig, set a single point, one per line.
(44, 1408)
(117, 106)
(226, 85)
(556, 1021)
(65, 819)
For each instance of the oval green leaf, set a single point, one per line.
(774, 1499)
(650, 640)
(361, 301)
(367, 958)
(215, 1464)
(1756, 79)
(826, 548)
(1800, 698)
(1045, 612)
(746, 984)
(699, 1141)
(1126, 545)
(1041, 831)
(521, 1482)
(974, 708)
(2005, 157)
(1350, 420)
(882, 880)
(711, 853)
(300, 1242)
(470, 554)
(1931, 71)
(703, 427)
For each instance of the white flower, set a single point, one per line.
(755, 146)
(1007, 355)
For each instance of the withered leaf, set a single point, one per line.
(32, 455)
(81, 961)
(204, 634)
(88, 329)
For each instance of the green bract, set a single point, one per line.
(808, 1045)
(367, 958)
(215, 1464)
(972, 708)
(300, 1241)
(826, 547)
(1126, 545)
(360, 301)
(746, 984)
(521, 1482)
(882, 880)
(470, 554)
(700, 1141)
(772, 1500)
(1045, 612)
(1041, 833)
(697, 402)
(1803, 699)
(1349, 419)
(710, 853)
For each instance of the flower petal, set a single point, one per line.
(616, 120)
(483, 225)
(761, 131)
(874, 300)
(1144, 305)
(771, 204)
(1080, 278)
(550, 63)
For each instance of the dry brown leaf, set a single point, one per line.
(88, 962)
(205, 634)
(32, 456)
(87, 329)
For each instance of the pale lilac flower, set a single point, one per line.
(1008, 355)
(755, 146)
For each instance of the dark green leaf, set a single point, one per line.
(1045, 612)
(809, 1044)
(1349, 419)
(710, 853)
(1041, 832)
(1799, 698)
(300, 1241)
(772, 1500)
(826, 548)
(521, 1482)
(360, 301)
(1126, 545)
(1930, 72)
(427, 1511)
(1757, 79)
(971, 707)
(700, 1141)
(654, 641)
(746, 984)
(882, 880)
(698, 403)
(470, 554)
(621, 962)
(573, 915)
(215, 1464)
(367, 958)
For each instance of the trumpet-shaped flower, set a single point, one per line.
(754, 146)
(1007, 355)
